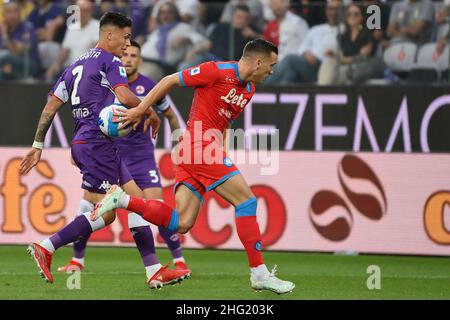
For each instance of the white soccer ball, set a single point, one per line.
(106, 124)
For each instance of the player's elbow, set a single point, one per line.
(171, 80)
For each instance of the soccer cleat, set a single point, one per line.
(109, 202)
(271, 282)
(71, 266)
(43, 260)
(165, 276)
(180, 265)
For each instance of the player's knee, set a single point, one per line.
(184, 225)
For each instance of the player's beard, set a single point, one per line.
(132, 72)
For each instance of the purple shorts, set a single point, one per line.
(139, 164)
(99, 164)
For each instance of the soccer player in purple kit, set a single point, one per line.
(136, 150)
(93, 81)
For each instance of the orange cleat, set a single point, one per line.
(71, 266)
(43, 260)
(166, 276)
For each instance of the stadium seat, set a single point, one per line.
(429, 65)
(400, 57)
(427, 57)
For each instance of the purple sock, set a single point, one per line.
(173, 242)
(79, 227)
(143, 237)
(79, 247)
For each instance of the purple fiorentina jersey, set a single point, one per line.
(140, 87)
(88, 84)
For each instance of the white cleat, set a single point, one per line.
(109, 202)
(271, 282)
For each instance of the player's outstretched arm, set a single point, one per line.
(159, 91)
(47, 115)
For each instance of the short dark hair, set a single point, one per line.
(115, 19)
(259, 46)
(242, 7)
(135, 44)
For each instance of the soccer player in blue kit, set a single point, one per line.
(95, 80)
(136, 151)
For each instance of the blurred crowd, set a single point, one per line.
(320, 41)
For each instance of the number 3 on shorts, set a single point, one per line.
(154, 176)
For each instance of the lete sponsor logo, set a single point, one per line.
(362, 188)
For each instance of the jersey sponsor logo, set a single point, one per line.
(224, 112)
(227, 162)
(230, 79)
(233, 98)
(80, 113)
(105, 185)
(194, 71)
(140, 89)
(122, 71)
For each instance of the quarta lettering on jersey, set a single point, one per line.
(90, 54)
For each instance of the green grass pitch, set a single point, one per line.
(117, 273)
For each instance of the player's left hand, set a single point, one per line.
(153, 121)
(30, 160)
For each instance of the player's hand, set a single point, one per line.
(128, 117)
(153, 121)
(30, 160)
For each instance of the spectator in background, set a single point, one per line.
(221, 34)
(313, 11)
(189, 13)
(77, 40)
(256, 12)
(49, 23)
(171, 43)
(320, 43)
(26, 6)
(48, 20)
(442, 12)
(287, 31)
(18, 45)
(411, 21)
(356, 63)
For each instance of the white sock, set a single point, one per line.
(123, 201)
(179, 259)
(79, 260)
(151, 270)
(260, 271)
(47, 244)
(95, 225)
